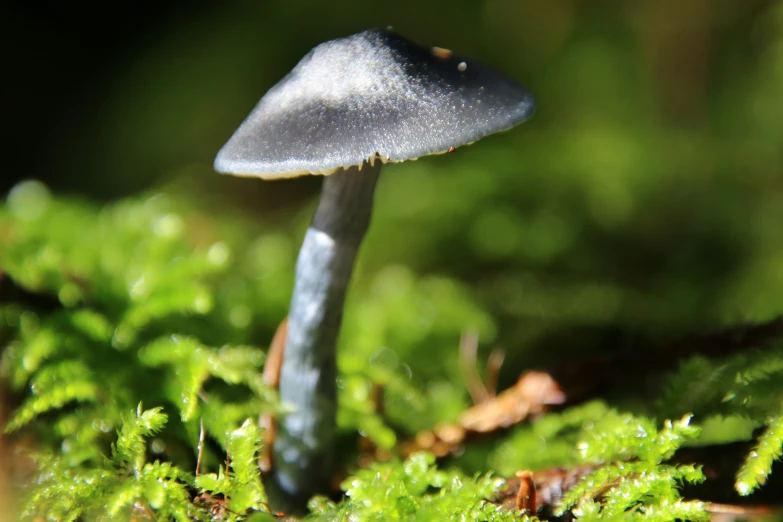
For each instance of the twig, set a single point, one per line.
(468, 348)
(494, 364)
(200, 446)
(738, 511)
(271, 378)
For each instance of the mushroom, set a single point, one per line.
(349, 106)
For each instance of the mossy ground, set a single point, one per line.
(150, 302)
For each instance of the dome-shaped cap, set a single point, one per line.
(372, 94)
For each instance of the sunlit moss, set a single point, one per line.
(415, 490)
(146, 300)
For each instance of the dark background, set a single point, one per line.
(106, 100)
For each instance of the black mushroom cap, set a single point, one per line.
(372, 94)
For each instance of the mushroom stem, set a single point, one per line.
(303, 449)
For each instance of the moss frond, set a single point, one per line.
(128, 485)
(548, 442)
(241, 487)
(758, 463)
(130, 448)
(630, 482)
(415, 490)
(243, 446)
(53, 387)
(617, 436)
(189, 364)
(745, 384)
(124, 486)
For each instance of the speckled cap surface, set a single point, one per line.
(371, 95)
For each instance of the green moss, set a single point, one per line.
(149, 301)
(631, 481)
(414, 490)
(127, 486)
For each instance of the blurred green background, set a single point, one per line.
(643, 199)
